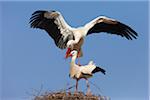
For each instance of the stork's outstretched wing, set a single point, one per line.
(54, 24)
(104, 24)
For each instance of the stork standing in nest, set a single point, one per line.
(67, 37)
(78, 72)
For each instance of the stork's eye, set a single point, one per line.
(72, 52)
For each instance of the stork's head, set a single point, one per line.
(70, 44)
(73, 53)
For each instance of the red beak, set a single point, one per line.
(68, 53)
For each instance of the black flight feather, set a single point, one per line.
(97, 69)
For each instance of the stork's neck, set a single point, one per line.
(73, 59)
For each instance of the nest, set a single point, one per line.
(69, 96)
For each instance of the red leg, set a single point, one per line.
(76, 91)
(88, 87)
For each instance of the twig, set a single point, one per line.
(98, 88)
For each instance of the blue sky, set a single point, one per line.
(29, 57)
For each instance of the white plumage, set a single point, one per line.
(77, 72)
(65, 36)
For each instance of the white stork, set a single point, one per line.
(65, 36)
(78, 72)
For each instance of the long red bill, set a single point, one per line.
(68, 53)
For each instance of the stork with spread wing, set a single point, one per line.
(67, 37)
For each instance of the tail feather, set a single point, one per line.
(91, 63)
(97, 69)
